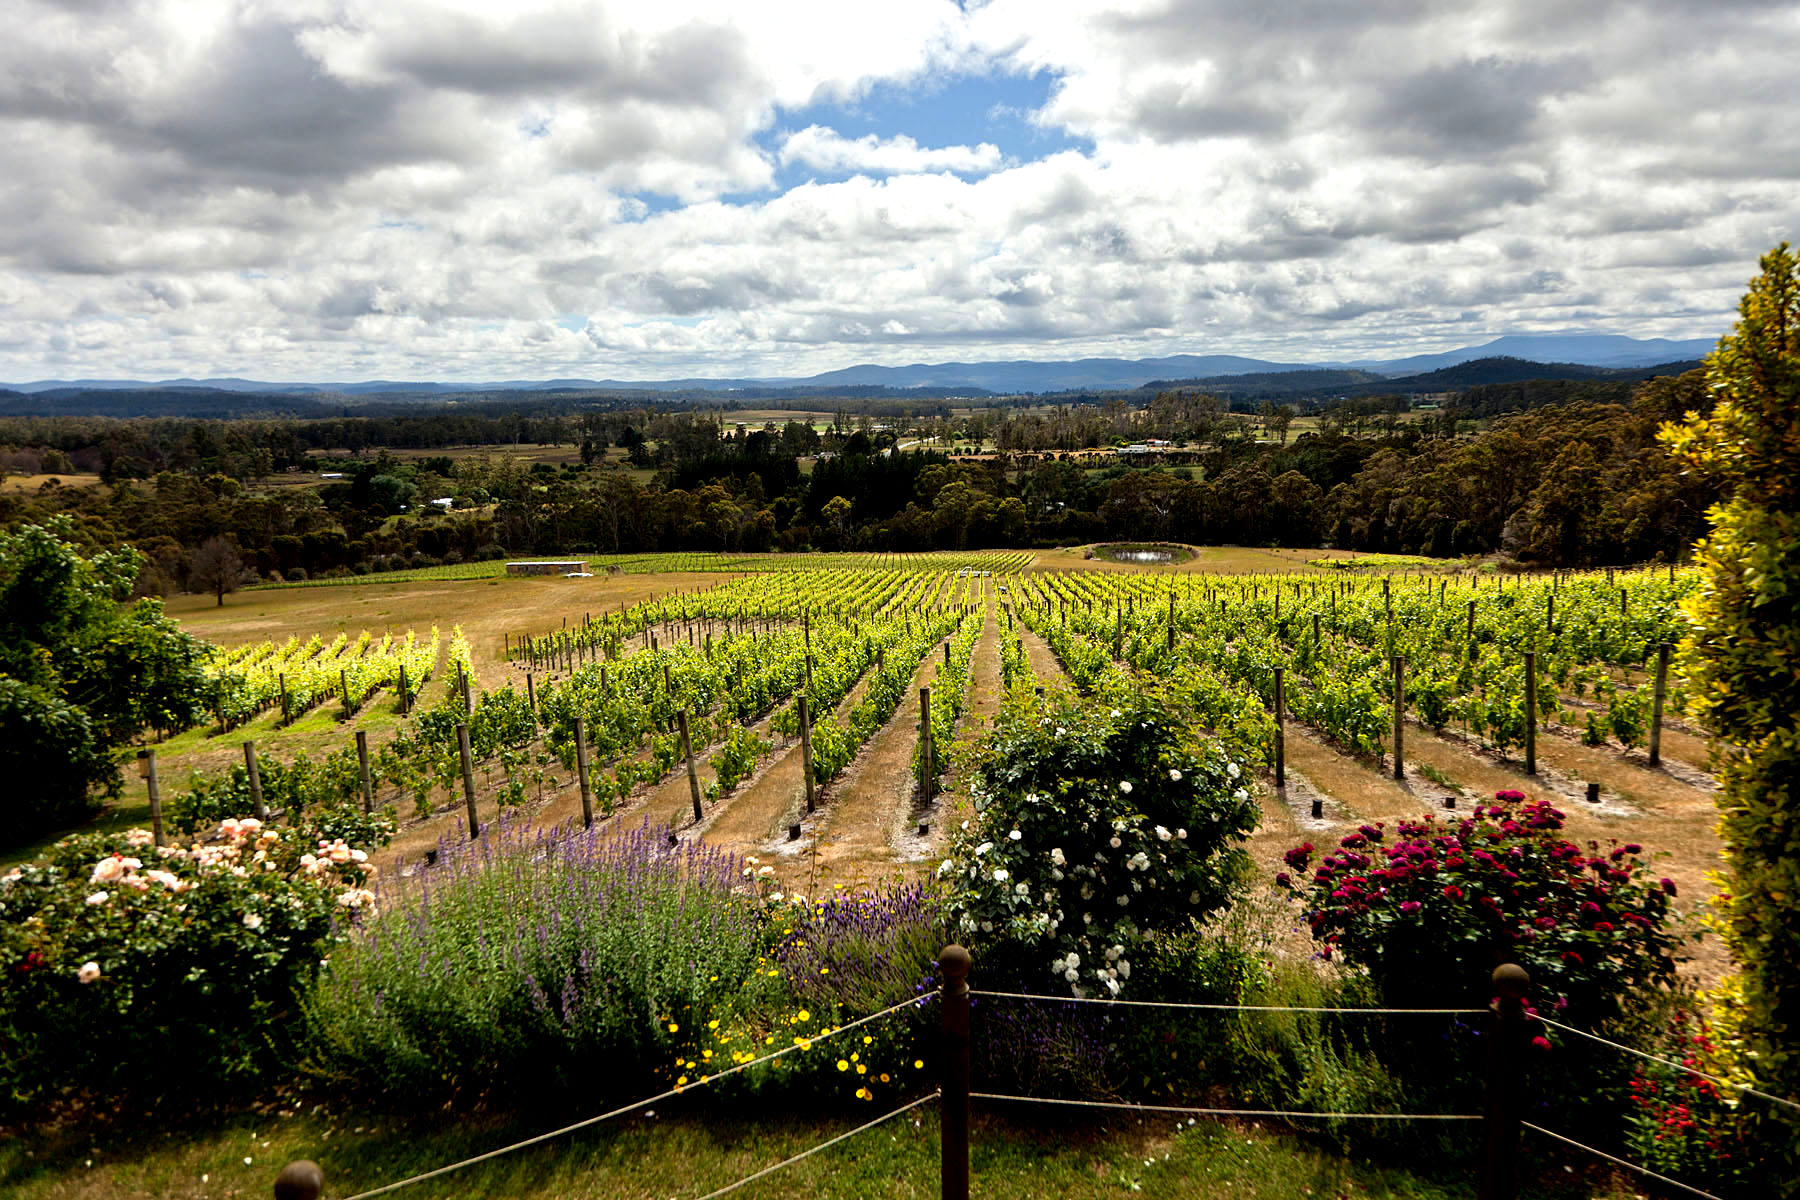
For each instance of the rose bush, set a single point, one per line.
(124, 961)
(1431, 910)
(1098, 825)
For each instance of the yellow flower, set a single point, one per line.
(706, 1054)
(867, 1040)
(674, 1028)
(842, 1065)
(884, 1077)
(855, 1057)
(681, 1081)
(824, 970)
(918, 1064)
(712, 1024)
(805, 1016)
(861, 1069)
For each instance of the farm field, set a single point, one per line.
(736, 642)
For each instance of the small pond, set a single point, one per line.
(1143, 556)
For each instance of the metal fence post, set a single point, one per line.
(1507, 1044)
(953, 1003)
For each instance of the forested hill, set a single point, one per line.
(1317, 389)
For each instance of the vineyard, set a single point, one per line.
(739, 711)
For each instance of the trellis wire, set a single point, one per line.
(788, 1162)
(1669, 1062)
(1182, 1110)
(1611, 1158)
(636, 1104)
(1464, 1012)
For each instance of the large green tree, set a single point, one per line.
(81, 673)
(1743, 656)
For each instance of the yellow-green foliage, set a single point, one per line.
(1743, 656)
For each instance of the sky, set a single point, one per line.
(463, 191)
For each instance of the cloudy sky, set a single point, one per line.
(353, 189)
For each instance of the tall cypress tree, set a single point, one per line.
(1743, 654)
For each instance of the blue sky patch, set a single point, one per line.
(961, 110)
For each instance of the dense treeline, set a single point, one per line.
(1567, 481)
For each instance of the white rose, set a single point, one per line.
(1000, 875)
(1174, 775)
(1016, 836)
(96, 899)
(88, 972)
(1163, 834)
(1125, 786)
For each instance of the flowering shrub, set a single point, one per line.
(1096, 828)
(533, 962)
(1431, 911)
(1685, 1126)
(183, 954)
(831, 961)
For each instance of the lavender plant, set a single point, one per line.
(536, 963)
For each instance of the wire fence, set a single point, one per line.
(1502, 1121)
(637, 1105)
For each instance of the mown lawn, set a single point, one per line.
(687, 1154)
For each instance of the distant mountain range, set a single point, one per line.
(1005, 378)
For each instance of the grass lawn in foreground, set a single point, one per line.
(681, 1153)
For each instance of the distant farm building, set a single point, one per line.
(570, 567)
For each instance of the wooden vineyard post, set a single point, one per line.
(344, 688)
(1316, 642)
(927, 756)
(1280, 734)
(687, 749)
(1656, 704)
(362, 766)
(1399, 717)
(462, 683)
(1470, 638)
(806, 764)
(1530, 712)
(405, 700)
(1550, 614)
(468, 774)
(953, 1104)
(154, 792)
(1171, 622)
(287, 714)
(531, 690)
(256, 796)
(581, 773)
(946, 654)
(1505, 1108)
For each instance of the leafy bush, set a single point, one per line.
(1097, 829)
(131, 966)
(1430, 914)
(332, 785)
(1683, 1125)
(49, 758)
(536, 964)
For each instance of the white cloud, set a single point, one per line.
(333, 188)
(825, 149)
